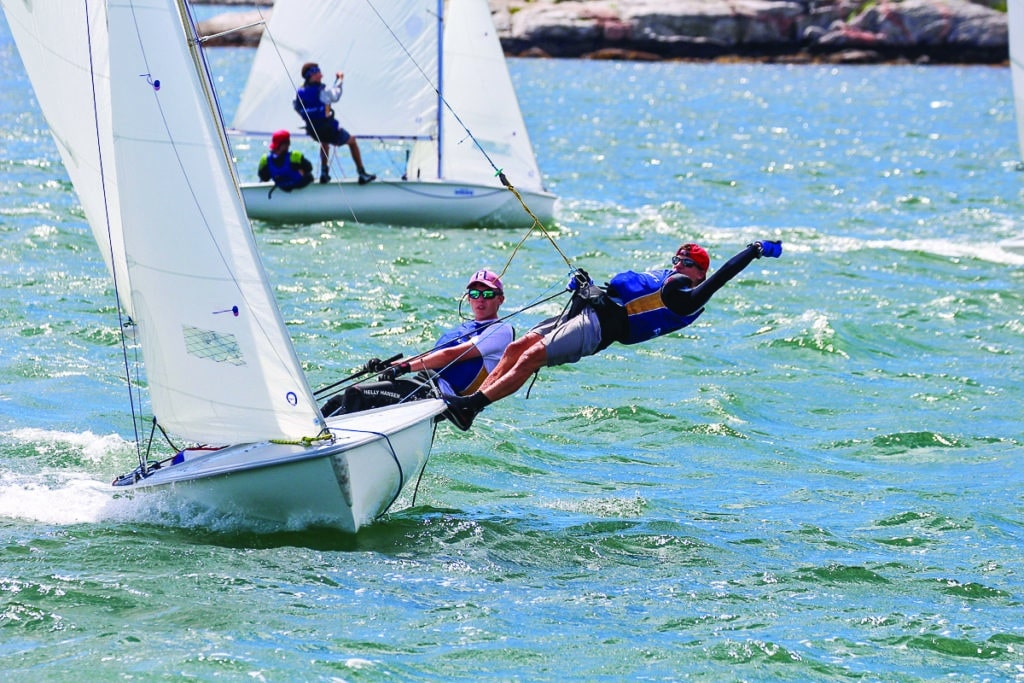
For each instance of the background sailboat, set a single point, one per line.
(220, 365)
(400, 59)
(1015, 17)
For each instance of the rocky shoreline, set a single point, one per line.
(837, 31)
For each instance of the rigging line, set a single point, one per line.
(110, 238)
(394, 456)
(423, 469)
(211, 36)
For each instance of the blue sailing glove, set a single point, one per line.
(579, 277)
(769, 248)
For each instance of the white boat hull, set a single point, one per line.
(345, 483)
(398, 202)
(1016, 245)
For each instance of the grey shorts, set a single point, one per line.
(566, 341)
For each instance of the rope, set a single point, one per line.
(307, 441)
(537, 223)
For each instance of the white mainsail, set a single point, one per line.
(220, 364)
(64, 48)
(391, 53)
(383, 93)
(1015, 17)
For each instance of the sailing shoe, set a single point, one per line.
(365, 177)
(459, 415)
(325, 178)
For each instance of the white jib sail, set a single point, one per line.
(478, 88)
(64, 48)
(220, 365)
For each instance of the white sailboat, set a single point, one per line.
(1015, 17)
(221, 369)
(418, 73)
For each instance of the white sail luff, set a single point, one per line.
(220, 365)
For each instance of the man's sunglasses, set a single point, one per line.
(485, 293)
(688, 262)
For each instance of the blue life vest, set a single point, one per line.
(307, 103)
(282, 171)
(466, 372)
(646, 313)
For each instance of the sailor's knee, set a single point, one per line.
(534, 357)
(522, 344)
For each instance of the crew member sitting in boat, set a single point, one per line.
(631, 308)
(313, 103)
(458, 364)
(289, 170)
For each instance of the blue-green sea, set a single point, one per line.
(821, 480)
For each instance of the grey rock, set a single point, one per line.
(862, 30)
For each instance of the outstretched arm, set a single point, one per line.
(683, 299)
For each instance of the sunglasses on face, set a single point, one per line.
(314, 70)
(688, 262)
(485, 293)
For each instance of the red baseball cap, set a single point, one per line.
(697, 254)
(279, 138)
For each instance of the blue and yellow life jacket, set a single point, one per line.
(284, 171)
(646, 313)
(466, 374)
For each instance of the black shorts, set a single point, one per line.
(329, 132)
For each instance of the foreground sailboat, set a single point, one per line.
(410, 66)
(220, 365)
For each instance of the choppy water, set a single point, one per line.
(821, 480)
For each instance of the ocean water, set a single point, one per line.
(820, 480)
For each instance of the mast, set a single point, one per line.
(440, 88)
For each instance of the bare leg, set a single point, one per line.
(357, 157)
(325, 154)
(522, 358)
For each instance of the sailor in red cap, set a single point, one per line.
(289, 170)
(631, 308)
